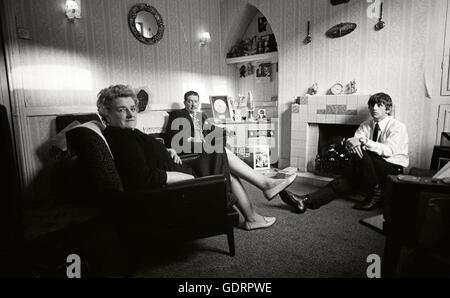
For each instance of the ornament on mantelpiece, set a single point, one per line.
(313, 89)
(351, 87)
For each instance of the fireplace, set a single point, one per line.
(317, 118)
(332, 158)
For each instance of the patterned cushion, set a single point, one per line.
(95, 157)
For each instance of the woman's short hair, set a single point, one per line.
(381, 98)
(189, 93)
(107, 95)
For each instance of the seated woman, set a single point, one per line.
(143, 162)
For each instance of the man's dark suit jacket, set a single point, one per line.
(183, 113)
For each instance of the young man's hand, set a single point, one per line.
(353, 145)
(358, 150)
(352, 142)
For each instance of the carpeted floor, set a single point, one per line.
(328, 242)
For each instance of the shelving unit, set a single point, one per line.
(272, 57)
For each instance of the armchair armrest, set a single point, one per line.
(191, 209)
(202, 200)
(197, 184)
(189, 158)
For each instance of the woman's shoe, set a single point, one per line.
(253, 225)
(271, 193)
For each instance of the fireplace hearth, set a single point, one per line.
(332, 158)
(320, 121)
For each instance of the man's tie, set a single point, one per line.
(375, 132)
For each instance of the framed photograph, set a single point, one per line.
(262, 114)
(221, 108)
(264, 72)
(261, 158)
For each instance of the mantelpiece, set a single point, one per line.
(321, 109)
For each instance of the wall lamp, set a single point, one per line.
(73, 9)
(205, 38)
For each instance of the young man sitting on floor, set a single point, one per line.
(379, 148)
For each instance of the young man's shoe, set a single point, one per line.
(298, 203)
(372, 201)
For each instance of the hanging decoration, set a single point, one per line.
(340, 30)
(308, 36)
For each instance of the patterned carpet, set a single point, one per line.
(328, 242)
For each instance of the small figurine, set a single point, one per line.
(250, 69)
(313, 89)
(351, 87)
(247, 46)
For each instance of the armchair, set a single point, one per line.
(127, 223)
(197, 208)
(417, 217)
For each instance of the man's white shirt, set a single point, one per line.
(392, 141)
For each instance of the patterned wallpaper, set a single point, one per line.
(68, 63)
(63, 66)
(395, 60)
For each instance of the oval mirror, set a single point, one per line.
(145, 23)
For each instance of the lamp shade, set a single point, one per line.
(205, 37)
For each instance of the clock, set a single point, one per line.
(336, 89)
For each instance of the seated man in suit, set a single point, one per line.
(188, 125)
(379, 148)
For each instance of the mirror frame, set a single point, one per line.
(132, 14)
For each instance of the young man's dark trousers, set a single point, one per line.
(368, 171)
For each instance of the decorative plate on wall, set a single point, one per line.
(340, 30)
(337, 2)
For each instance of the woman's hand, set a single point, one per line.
(174, 156)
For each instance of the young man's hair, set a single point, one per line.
(189, 93)
(381, 98)
(107, 95)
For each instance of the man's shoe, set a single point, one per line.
(372, 201)
(368, 204)
(296, 202)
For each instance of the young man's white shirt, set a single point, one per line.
(392, 141)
